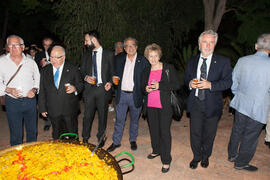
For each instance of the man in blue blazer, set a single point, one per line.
(213, 75)
(128, 68)
(251, 87)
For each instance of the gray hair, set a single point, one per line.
(263, 42)
(130, 39)
(116, 44)
(59, 47)
(15, 36)
(208, 32)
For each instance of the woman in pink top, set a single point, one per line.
(157, 87)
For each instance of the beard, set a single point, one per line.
(90, 47)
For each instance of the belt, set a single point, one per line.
(99, 84)
(128, 91)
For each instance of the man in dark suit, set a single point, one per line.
(129, 68)
(97, 69)
(42, 59)
(207, 75)
(59, 86)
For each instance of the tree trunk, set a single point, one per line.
(213, 13)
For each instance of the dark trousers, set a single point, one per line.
(126, 102)
(96, 99)
(245, 133)
(202, 131)
(19, 110)
(159, 121)
(64, 124)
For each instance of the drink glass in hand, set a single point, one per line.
(153, 82)
(66, 86)
(116, 80)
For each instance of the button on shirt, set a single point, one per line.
(98, 60)
(208, 62)
(27, 78)
(60, 72)
(127, 79)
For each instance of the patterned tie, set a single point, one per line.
(94, 58)
(56, 75)
(201, 93)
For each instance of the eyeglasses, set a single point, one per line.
(14, 45)
(54, 57)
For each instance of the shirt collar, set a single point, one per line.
(60, 68)
(260, 53)
(208, 57)
(135, 57)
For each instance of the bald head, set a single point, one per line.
(57, 56)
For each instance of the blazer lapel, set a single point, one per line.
(137, 64)
(65, 71)
(51, 75)
(212, 67)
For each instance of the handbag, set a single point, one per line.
(2, 98)
(176, 102)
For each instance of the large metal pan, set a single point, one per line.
(101, 153)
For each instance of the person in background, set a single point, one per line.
(97, 69)
(157, 83)
(42, 59)
(118, 49)
(20, 93)
(251, 89)
(207, 75)
(128, 68)
(60, 84)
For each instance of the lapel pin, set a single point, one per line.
(67, 70)
(215, 62)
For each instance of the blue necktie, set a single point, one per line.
(201, 93)
(56, 75)
(94, 58)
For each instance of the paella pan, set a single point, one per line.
(60, 159)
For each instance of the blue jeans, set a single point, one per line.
(19, 111)
(126, 102)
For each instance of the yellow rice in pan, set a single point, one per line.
(49, 161)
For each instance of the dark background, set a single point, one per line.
(173, 24)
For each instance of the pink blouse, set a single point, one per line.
(154, 96)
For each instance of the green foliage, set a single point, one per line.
(163, 22)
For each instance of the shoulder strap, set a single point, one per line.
(167, 73)
(12, 77)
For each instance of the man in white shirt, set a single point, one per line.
(21, 92)
(129, 68)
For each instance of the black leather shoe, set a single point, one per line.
(85, 140)
(165, 170)
(152, 156)
(133, 145)
(113, 147)
(247, 168)
(102, 143)
(193, 164)
(205, 163)
(267, 144)
(46, 127)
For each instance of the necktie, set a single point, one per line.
(201, 93)
(56, 75)
(94, 58)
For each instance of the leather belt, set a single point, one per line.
(128, 91)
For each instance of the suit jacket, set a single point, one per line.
(251, 86)
(140, 64)
(165, 85)
(220, 76)
(56, 101)
(107, 67)
(38, 57)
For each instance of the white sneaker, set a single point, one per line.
(110, 109)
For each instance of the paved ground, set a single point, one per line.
(146, 169)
